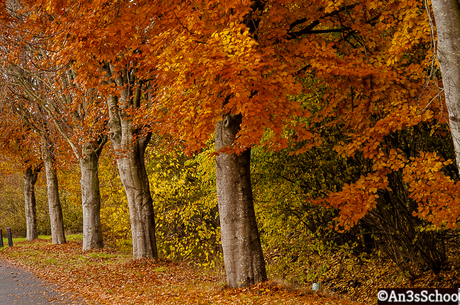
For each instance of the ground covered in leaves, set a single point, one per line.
(111, 277)
(107, 277)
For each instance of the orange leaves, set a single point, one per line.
(368, 141)
(333, 6)
(356, 200)
(108, 277)
(211, 58)
(414, 30)
(228, 72)
(393, 161)
(437, 195)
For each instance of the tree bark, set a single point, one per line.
(54, 203)
(91, 196)
(447, 17)
(243, 257)
(30, 178)
(130, 149)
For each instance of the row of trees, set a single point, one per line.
(355, 77)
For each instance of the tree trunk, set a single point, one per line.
(243, 257)
(91, 197)
(447, 16)
(54, 203)
(130, 148)
(30, 178)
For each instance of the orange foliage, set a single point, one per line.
(368, 60)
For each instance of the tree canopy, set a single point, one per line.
(340, 100)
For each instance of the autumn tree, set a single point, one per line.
(245, 62)
(19, 145)
(64, 103)
(66, 108)
(103, 63)
(22, 89)
(35, 120)
(447, 17)
(239, 70)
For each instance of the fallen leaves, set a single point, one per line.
(105, 277)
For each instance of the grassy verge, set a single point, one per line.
(110, 277)
(70, 237)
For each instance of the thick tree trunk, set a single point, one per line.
(54, 203)
(135, 181)
(447, 16)
(130, 149)
(243, 257)
(91, 197)
(30, 178)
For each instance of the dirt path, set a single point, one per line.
(18, 286)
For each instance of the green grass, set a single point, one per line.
(70, 237)
(73, 237)
(160, 269)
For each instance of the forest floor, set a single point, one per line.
(110, 277)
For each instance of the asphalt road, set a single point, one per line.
(18, 286)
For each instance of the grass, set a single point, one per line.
(111, 277)
(70, 237)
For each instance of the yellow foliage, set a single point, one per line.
(115, 221)
(185, 203)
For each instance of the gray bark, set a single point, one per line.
(30, 178)
(52, 186)
(447, 17)
(91, 196)
(88, 159)
(243, 257)
(130, 149)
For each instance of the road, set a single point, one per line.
(18, 286)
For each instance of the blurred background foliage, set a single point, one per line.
(12, 206)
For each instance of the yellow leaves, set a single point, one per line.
(49, 5)
(333, 6)
(184, 205)
(114, 206)
(413, 30)
(373, 190)
(235, 40)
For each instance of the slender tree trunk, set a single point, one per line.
(91, 197)
(130, 149)
(30, 178)
(54, 203)
(243, 257)
(447, 16)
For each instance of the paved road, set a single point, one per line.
(18, 286)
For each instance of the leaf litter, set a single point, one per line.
(110, 277)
